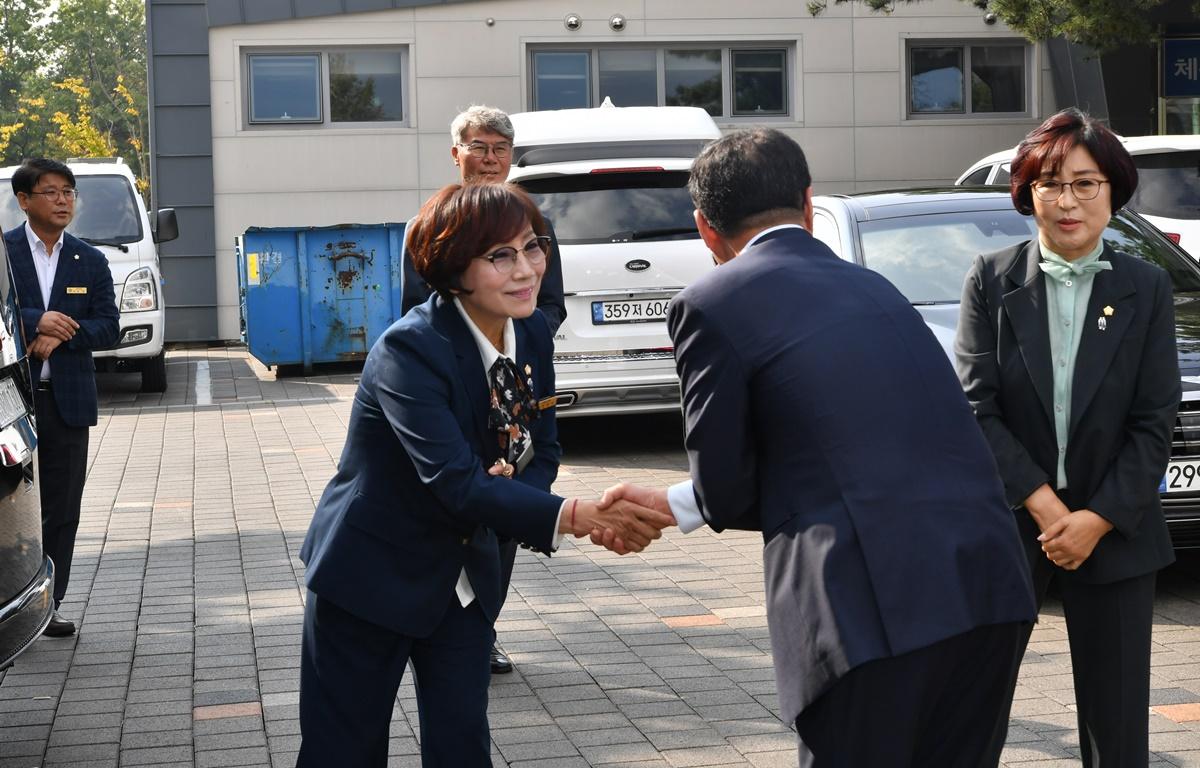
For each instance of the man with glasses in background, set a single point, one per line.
(482, 150)
(68, 309)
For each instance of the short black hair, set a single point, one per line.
(747, 174)
(32, 170)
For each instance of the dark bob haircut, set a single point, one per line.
(748, 176)
(460, 223)
(25, 178)
(1044, 149)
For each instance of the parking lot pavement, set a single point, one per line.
(188, 586)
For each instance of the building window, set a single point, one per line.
(968, 79)
(285, 88)
(726, 81)
(337, 86)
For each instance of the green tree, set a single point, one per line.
(22, 86)
(1099, 24)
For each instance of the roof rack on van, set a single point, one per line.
(606, 150)
(97, 160)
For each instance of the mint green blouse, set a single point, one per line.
(1066, 309)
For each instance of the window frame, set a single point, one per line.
(326, 121)
(788, 48)
(249, 70)
(964, 44)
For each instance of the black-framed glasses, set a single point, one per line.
(479, 149)
(504, 259)
(54, 194)
(1049, 190)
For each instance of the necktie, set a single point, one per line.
(513, 406)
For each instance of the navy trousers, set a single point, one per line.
(350, 671)
(62, 470)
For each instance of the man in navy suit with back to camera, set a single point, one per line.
(822, 412)
(68, 309)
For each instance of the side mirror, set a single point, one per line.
(166, 228)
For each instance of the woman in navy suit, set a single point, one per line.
(451, 439)
(1066, 349)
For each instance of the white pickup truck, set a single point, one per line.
(111, 215)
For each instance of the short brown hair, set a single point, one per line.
(1046, 146)
(459, 223)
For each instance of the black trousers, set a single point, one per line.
(1108, 630)
(350, 671)
(62, 470)
(931, 708)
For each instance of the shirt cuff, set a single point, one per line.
(556, 536)
(681, 497)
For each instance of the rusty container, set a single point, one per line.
(318, 294)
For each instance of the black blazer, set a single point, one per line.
(821, 411)
(414, 290)
(412, 504)
(1124, 398)
(82, 290)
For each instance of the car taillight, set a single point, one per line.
(1173, 237)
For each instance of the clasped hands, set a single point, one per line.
(53, 329)
(625, 519)
(1068, 538)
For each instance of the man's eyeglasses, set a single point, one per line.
(504, 259)
(1084, 189)
(479, 149)
(54, 194)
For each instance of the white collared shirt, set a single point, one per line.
(681, 497)
(488, 354)
(46, 264)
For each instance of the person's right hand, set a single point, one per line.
(1045, 507)
(42, 346)
(58, 325)
(652, 498)
(633, 526)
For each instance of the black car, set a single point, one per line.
(26, 574)
(924, 240)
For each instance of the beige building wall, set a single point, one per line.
(846, 80)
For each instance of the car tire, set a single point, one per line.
(154, 373)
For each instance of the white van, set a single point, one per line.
(613, 182)
(110, 215)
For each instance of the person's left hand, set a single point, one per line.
(42, 345)
(502, 469)
(1069, 541)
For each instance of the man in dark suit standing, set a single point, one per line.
(821, 411)
(68, 309)
(482, 151)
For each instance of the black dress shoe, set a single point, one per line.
(501, 665)
(60, 627)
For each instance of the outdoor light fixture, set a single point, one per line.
(573, 21)
(617, 22)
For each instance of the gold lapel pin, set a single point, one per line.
(77, 257)
(528, 370)
(1108, 311)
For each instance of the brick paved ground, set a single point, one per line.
(188, 587)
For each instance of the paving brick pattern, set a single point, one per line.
(189, 591)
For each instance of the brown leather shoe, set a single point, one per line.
(501, 665)
(59, 627)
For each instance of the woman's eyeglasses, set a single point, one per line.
(1084, 189)
(504, 259)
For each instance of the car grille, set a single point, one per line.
(1185, 441)
(616, 356)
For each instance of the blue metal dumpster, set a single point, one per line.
(318, 294)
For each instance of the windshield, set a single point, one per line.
(926, 257)
(105, 210)
(1168, 185)
(616, 207)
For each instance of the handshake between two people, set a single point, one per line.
(625, 519)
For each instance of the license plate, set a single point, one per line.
(12, 405)
(633, 311)
(1182, 475)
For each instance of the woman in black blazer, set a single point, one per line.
(1066, 350)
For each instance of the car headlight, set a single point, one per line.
(139, 294)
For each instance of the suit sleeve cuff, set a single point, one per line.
(681, 497)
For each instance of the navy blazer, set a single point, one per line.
(821, 411)
(414, 290)
(1124, 398)
(82, 290)
(412, 503)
